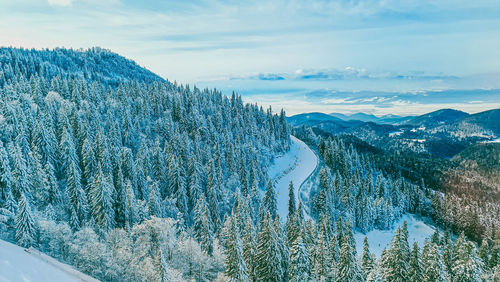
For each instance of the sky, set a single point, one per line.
(376, 56)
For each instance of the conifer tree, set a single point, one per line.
(26, 228)
(347, 266)
(154, 201)
(495, 255)
(268, 258)
(467, 266)
(162, 267)
(433, 267)
(367, 261)
(300, 262)
(484, 253)
(322, 259)
(249, 249)
(77, 196)
(415, 270)
(394, 264)
(291, 200)
(6, 177)
(236, 268)
(101, 200)
(269, 201)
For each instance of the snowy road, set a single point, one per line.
(296, 165)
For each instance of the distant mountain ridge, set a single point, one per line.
(387, 119)
(437, 117)
(442, 133)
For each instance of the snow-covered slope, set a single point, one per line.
(19, 264)
(296, 165)
(379, 239)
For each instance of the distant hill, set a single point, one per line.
(95, 64)
(478, 172)
(443, 133)
(487, 119)
(323, 122)
(437, 117)
(387, 119)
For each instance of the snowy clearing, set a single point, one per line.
(379, 239)
(19, 264)
(295, 165)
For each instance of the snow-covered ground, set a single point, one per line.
(295, 165)
(379, 239)
(493, 141)
(19, 264)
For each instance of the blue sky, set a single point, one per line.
(445, 45)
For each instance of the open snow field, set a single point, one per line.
(295, 165)
(17, 264)
(379, 239)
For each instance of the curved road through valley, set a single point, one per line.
(296, 165)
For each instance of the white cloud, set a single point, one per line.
(63, 3)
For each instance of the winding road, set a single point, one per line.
(296, 165)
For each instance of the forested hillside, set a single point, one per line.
(81, 160)
(127, 177)
(94, 64)
(357, 195)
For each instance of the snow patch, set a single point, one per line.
(380, 239)
(396, 133)
(19, 264)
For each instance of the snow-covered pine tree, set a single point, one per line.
(321, 258)
(268, 257)
(291, 200)
(236, 268)
(300, 262)
(101, 200)
(249, 249)
(154, 201)
(433, 267)
(269, 201)
(26, 227)
(347, 264)
(415, 268)
(367, 262)
(162, 267)
(77, 197)
(467, 266)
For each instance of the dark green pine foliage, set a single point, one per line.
(162, 266)
(236, 268)
(291, 200)
(495, 255)
(269, 201)
(415, 269)
(347, 264)
(101, 200)
(300, 262)
(268, 257)
(367, 260)
(26, 228)
(395, 260)
(249, 249)
(467, 266)
(433, 266)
